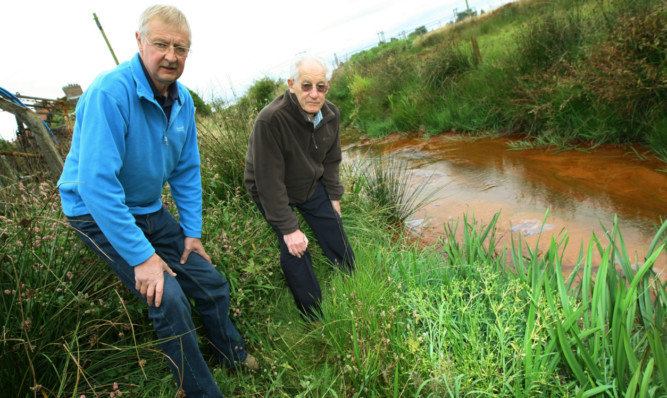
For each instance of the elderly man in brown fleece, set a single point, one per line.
(293, 160)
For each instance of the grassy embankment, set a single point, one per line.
(564, 72)
(447, 320)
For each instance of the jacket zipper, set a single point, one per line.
(313, 136)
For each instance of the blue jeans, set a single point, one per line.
(172, 321)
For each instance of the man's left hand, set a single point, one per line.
(336, 206)
(194, 245)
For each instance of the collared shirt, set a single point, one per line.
(165, 102)
(318, 118)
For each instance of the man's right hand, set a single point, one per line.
(149, 279)
(296, 243)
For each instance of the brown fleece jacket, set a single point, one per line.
(287, 157)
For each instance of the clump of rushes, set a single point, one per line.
(68, 325)
(223, 141)
(385, 182)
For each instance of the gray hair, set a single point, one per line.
(172, 16)
(296, 64)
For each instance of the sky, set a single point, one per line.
(50, 44)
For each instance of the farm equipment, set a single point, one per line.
(42, 124)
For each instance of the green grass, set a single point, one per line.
(463, 317)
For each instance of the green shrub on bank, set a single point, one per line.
(202, 108)
(563, 71)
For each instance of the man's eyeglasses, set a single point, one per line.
(163, 48)
(321, 88)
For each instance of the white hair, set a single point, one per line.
(300, 59)
(170, 15)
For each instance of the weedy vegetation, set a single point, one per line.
(565, 72)
(467, 316)
(462, 317)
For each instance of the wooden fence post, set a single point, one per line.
(54, 162)
(475, 49)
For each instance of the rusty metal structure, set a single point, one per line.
(43, 135)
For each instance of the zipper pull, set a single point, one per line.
(314, 142)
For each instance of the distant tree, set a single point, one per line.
(201, 107)
(263, 91)
(419, 31)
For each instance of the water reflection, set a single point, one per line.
(581, 190)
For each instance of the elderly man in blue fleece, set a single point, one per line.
(135, 131)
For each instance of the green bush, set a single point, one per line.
(263, 91)
(628, 72)
(405, 110)
(201, 107)
(445, 65)
(339, 92)
(548, 40)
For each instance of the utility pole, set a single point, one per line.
(97, 21)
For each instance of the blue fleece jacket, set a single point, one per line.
(124, 151)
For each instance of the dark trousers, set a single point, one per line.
(327, 226)
(173, 319)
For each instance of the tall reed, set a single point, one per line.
(66, 319)
(385, 182)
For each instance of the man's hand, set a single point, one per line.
(149, 279)
(296, 243)
(194, 245)
(336, 206)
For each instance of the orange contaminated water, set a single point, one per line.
(582, 191)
